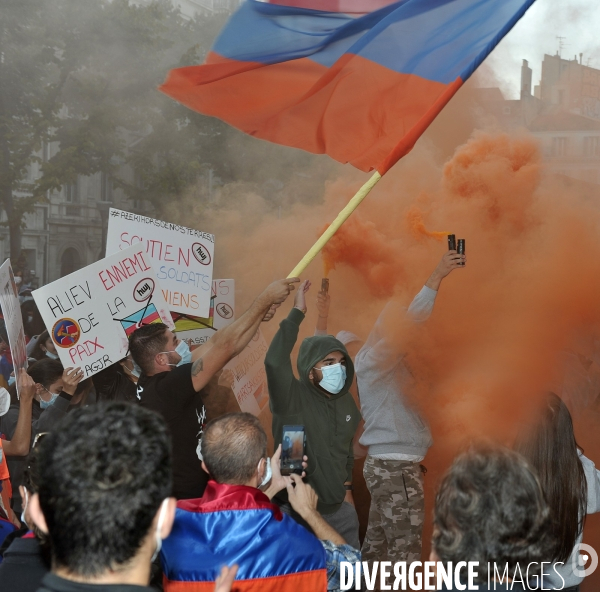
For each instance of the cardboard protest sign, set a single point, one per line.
(198, 330)
(182, 257)
(249, 376)
(91, 313)
(11, 310)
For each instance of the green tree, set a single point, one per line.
(30, 84)
(83, 74)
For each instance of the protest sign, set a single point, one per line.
(249, 377)
(198, 330)
(182, 257)
(11, 310)
(91, 313)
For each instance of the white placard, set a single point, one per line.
(11, 309)
(197, 330)
(182, 257)
(91, 312)
(249, 376)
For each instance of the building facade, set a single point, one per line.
(562, 111)
(67, 231)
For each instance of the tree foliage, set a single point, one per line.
(83, 75)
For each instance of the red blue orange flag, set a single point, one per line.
(359, 80)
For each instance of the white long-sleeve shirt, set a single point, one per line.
(393, 428)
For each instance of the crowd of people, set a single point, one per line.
(122, 482)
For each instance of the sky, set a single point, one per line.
(578, 21)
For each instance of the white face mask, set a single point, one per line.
(159, 525)
(268, 474)
(24, 508)
(334, 378)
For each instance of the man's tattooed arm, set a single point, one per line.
(197, 367)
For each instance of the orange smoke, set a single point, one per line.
(361, 246)
(502, 327)
(414, 217)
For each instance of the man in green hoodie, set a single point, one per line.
(320, 401)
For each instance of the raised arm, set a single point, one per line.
(278, 363)
(450, 261)
(227, 343)
(381, 346)
(19, 444)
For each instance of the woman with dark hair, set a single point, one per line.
(571, 485)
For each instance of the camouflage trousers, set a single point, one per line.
(397, 510)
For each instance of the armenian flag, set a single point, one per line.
(236, 524)
(145, 316)
(359, 80)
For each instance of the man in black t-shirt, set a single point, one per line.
(172, 378)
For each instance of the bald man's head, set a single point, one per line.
(232, 446)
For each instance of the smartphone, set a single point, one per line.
(451, 242)
(325, 285)
(293, 444)
(461, 247)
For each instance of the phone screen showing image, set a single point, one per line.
(292, 450)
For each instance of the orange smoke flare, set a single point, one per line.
(328, 265)
(414, 217)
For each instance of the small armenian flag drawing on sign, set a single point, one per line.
(191, 323)
(66, 332)
(144, 316)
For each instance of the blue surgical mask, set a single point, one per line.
(11, 381)
(183, 350)
(51, 355)
(334, 378)
(137, 371)
(46, 404)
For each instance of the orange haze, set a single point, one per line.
(502, 328)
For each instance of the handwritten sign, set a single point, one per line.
(182, 257)
(197, 330)
(249, 376)
(11, 309)
(91, 313)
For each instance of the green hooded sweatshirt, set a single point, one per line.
(330, 422)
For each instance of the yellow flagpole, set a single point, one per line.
(335, 225)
